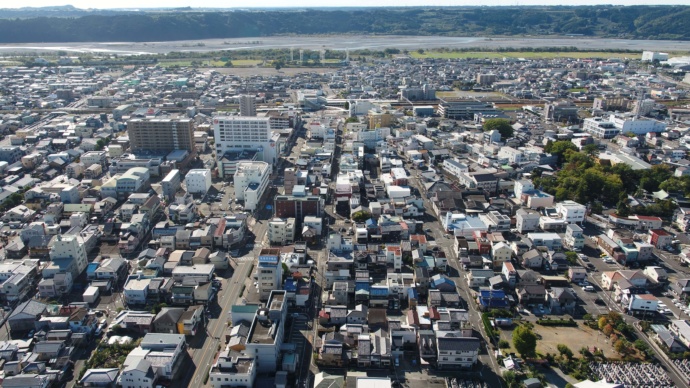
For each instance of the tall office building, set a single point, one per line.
(161, 134)
(247, 105)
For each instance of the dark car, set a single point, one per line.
(599, 301)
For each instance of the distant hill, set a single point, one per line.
(634, 22)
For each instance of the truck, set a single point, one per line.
(91, 295)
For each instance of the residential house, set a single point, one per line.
(455, 351)
(561, 300)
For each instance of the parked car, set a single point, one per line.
(588, 288)
(599, 301)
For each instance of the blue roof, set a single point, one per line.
(441, 280)
(411, 293)
(496, 298)
(423, 264)
(379, 291)
(92, 267)
(492, 294)
(362, 286)
(370, 222)
(290, 285)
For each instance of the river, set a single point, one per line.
(345, 42)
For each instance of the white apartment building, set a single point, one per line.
(93, 157)
(574, 239)
(170, 184)
(198, 181)
(67, 255)
(514, 156)
(251, 180)
(281, 231)
(243, 133)
(571, 211)
(454, 167)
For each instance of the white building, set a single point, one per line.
(251, 180)
(269, 272)
(651, 56)
(281, 231)
(237, 371)
(550, 240)
(571, 211)
(600, 128)
(136, 291)
(456, 351)
(198, 181)
(170, 184)
(454, 167)
(242, 133)
(67, 255)
(636, 125)
(574, 239)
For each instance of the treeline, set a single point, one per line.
(584, 180)
(641, 22)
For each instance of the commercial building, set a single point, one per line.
(198, 181)
(251, 180)
(269, 272)
(242, 133)
(161, 134)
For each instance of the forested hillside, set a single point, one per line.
(638, 22)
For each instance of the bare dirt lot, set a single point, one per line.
(574, 337)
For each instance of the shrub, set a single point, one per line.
(503, 344)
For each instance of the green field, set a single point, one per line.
(521, 54)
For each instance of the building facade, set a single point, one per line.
(161, 134)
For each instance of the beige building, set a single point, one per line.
(161, 134)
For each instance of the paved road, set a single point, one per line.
(203, 355)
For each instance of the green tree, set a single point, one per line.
(622, 346)
(278, 65)
(559, 149)
(361, 216)
(100, 144)
(591, 150)
(565, 351)
(571, 257)
(352, 120)
(511, 379)
(503, 344)
(525, 341)
(501, 125)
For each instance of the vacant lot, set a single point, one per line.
(574, 337)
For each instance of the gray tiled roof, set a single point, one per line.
(457, 343)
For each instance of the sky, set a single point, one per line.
(317, 3)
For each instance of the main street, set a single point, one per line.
(204, 346)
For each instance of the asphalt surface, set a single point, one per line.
(204, 346)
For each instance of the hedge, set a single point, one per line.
(556, 322)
